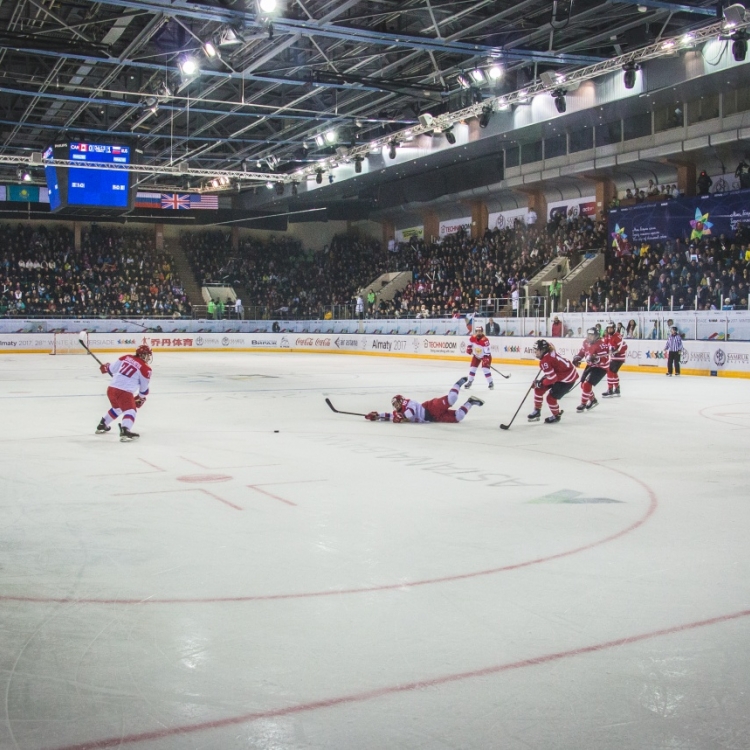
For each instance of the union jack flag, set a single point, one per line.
(175, 201)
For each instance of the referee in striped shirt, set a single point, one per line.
(674, 347)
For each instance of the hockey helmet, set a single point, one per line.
(592, 334)
(397, 402)
(611, 325)
(479, 330)
(541, 347)
(144, 352)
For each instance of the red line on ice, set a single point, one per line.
(387, 690)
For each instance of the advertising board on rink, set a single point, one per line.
(700, 357)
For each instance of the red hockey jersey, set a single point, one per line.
(617, 347)
(596, 354)
(557, 369)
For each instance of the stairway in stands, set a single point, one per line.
(184, 271)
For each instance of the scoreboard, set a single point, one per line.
(79, 187)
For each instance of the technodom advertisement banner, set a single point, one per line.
(691, 219)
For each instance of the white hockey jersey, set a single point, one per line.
(130, 374)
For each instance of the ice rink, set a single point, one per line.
(341, 584)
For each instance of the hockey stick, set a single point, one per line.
(500, 373)
(526, 395)
(132, 322)
(83, 344)
(353, 413)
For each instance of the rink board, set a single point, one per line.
(718, 358)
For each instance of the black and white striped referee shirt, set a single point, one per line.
(674, 342)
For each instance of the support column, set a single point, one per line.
(537, 203)
(77, 234)
(686, 179)
(431, 225)
(159, 236)
(235, 238)
(606, 192)
(479, 219)
(389, 232)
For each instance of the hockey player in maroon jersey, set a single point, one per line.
(131, 376)
(481, 353)
(595, 353)
(558, 378)
(435, 410)
(618, 351)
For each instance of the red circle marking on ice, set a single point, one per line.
(200, 478)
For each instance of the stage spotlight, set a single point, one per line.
(629, 75)
(210, 49)
(478, 76)
(319, 176)
(392, 146)
(280, 188)
(450, 136)
(560, 103)
(188, 65)
(267, 6)
(358, 164)
(320, 140)
(331, 136)
(485, 117)
(463, 81)
(495, 72)
(734, 15)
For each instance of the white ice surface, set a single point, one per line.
(343, 584)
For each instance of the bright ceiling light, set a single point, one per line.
(668, 44)
(268, 6)
(331, 136)
(502, 103)
(734, 15)
(495, 72)
(320, 140)
(477, 75)
(210, 49)
(463, 81)
(687, 39)
(523, 96)
(188, 66)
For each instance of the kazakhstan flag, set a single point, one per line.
(25, 193)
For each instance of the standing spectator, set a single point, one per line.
(370, 303)
(674, 349)
(239, 311)
(557, 327)
(211, 309)
(531, 217)
(514, 299)
(555, 290)
(703, 183)
(742, 173)
(631, 332)
(359, 307)
(493, 329)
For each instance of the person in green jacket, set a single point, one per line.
(220, 309)
(211, 311)
(370, 302)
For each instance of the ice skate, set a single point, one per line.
(534, 416)
(617, 391)
(127, 436)
(554, 418)
(609, 392)
(460, 382)
(474, 400)
(468, 383)
(581, 408)
(592, 404)
(491, 386)
(102, 427)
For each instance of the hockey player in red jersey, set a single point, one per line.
(618, 351)
(131, 376)
(435, 410)
(558, 378)
(595, 353)
(481, 353)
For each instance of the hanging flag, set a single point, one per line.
(204, 202)
(148, 200)
(3, 194)
(26, 193)
(175, 201)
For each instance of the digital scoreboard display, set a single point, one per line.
(72, 187)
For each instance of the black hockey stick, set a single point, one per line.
(526, 395)
(500, 373)
(353, 413)
(83, 344)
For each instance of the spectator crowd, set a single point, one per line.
(115, 273)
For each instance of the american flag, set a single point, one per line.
(207, 202)
(175, 201)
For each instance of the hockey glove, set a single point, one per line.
(577, 360)
(486, 361)
(539, 383)
(373, 416)
(592, 359)
(139, 401)
(398, 416)
(104, 369)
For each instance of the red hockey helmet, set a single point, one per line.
(397, 402)
(144, 352)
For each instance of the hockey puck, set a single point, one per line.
(275, 430)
